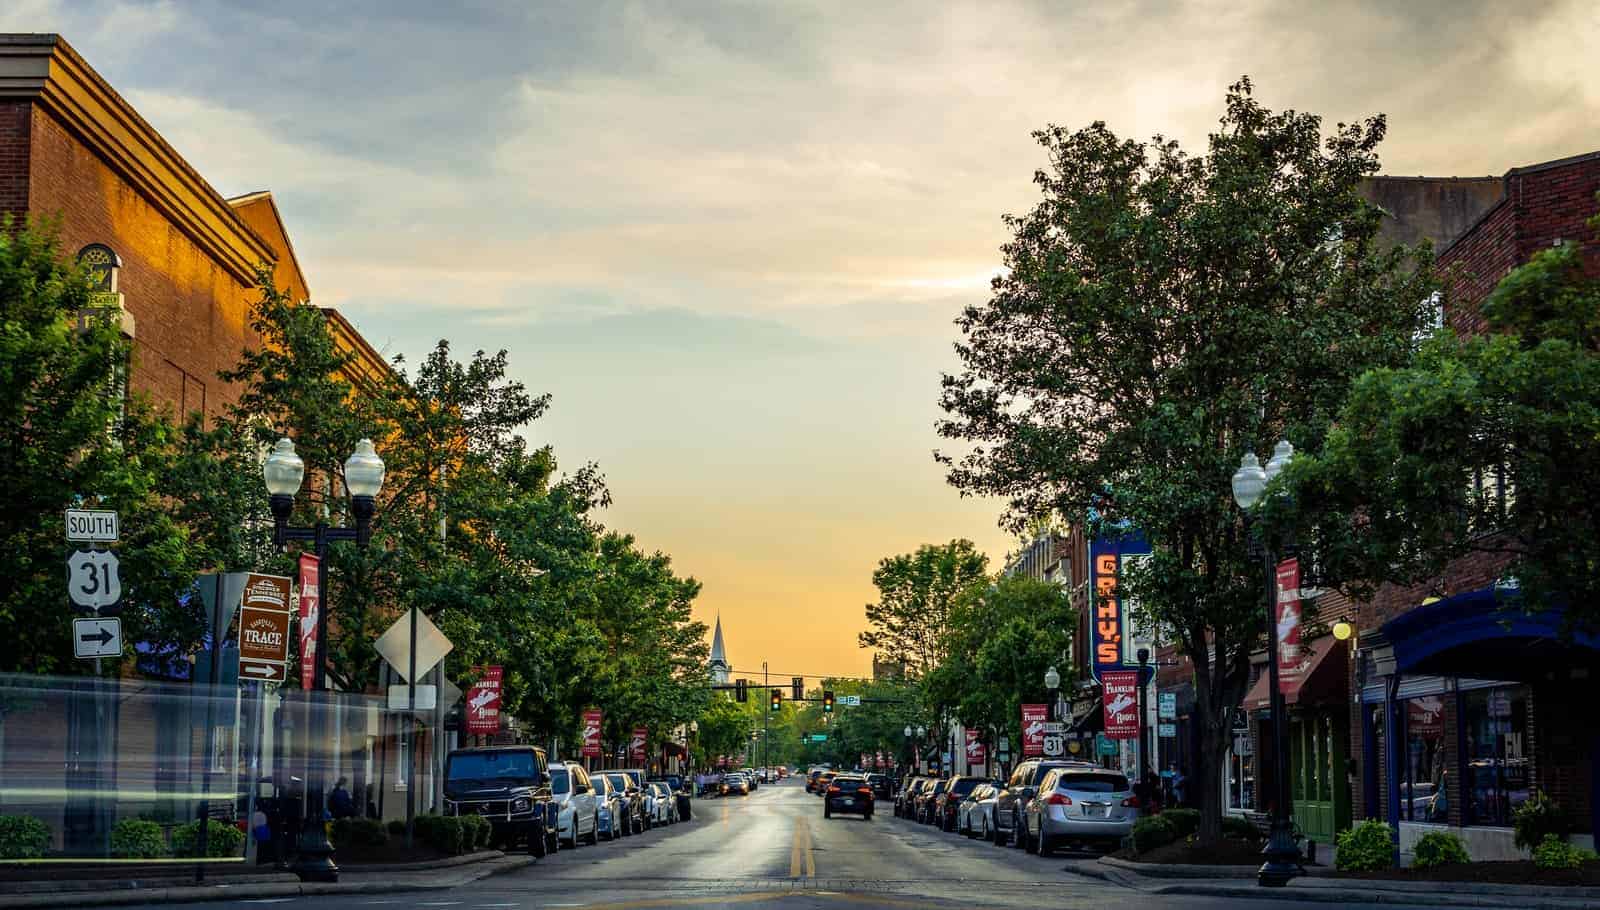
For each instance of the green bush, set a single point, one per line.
(396, 828)
(23, 837)
(1240, 828)
(444, 833)
(1184, 821)
(135, 838)
(222, 840)
(1538, 818)
(1365, 848)
(1555, 853)
(1439, 848)
(478, 832)
(1151, 832)
(360, 832)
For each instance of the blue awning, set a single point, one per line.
(1484, 634)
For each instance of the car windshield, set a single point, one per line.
(559, 780)
(618, 781)
(964, 786)
(939, 786)
(1092, 783)
(844, 782)
(493, 767)
(674, 781)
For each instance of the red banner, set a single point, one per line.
(977, 756)
(1034, 717)
(1291, 666)
(310, 605)
(591, 732)
(1121, 703)
(483, 701)
(636, 745)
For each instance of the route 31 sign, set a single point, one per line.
(92, 578)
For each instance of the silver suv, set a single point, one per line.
(1019, 790)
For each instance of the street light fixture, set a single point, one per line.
(283, 472)
(1052, 681)
(1249, 484)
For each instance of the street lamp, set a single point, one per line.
(1052, 681)
(1142, 705)
(1249, 483)
(283, 471)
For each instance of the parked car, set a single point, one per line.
(661, 804)
(849, 794)
(975, 817)
(508, 785)
(1079, 806)
(613, 807)
(633, 820)
(927, 799)
(882, 790)
(683, 793)
(578, 808)
(750, 777)
(947, 803)
(1018, 792)
(903, 800)
(823, 780)
(811, 779)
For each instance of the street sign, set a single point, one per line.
(263, 643)
(1053, 745)
(395, 645)
(1104, 745)
(850, 700)
(91, 525)
(92, 578)
(1168, 705)
(97, 637)
(819, 737)
(1055, 726)
(262, 672)
(1167, 731)
(427, 697)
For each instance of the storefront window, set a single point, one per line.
(1424, 795)
(1240, 786)
(1497, 764)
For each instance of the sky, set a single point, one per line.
(730, 238)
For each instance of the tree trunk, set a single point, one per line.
(1213, 753)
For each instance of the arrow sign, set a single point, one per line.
(97, 637)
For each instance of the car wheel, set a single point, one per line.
(538, 844)
(594, 831)
(1041, 844)
(555, 841)
(827, 811)
(1020, 836)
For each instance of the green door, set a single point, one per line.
(1319, 744)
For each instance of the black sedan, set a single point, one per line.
(881, 787)
(850, 795)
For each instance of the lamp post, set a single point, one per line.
(1052, 681)
(1249, 483)
(1142, 704)
(283, 472)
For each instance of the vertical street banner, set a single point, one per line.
(310, 605)
(1034, 717)
(483, 701)
(636, 745)
(1290, 664)
(977, 755)
(1114, 635)
(1121, 703)
(591, 732)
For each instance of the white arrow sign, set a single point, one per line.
(97, 637)
(92, 578)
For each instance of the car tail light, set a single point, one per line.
(1131, 802)
(833, 789)
(1058, 799)
(866, 790)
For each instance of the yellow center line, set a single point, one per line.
(811, 859)
(794, 849)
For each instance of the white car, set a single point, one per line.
(579, 804)
(661, 804)
(975, 818)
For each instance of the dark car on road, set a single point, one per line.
(947, 802)
(904, 800)
(882, 789)
(928, 797)
(509, 786)
(849, 794)
(811, 779)
(1019, 790)
(682, 788)
(634, 819)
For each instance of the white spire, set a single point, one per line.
(719, 657)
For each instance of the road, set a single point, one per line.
(774, 849)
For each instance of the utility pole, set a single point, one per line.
(766, 716)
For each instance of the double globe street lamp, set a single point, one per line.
(1249, 485)
(284, 471)
(916, 745)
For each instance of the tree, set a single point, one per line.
(1013, 632)
(1160, 314)
(916, 593)
(1483, 444)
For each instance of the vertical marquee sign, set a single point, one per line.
(1111, 631)
(483, 701)
(591, 732)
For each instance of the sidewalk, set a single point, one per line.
(1320, 887)
(373, 879)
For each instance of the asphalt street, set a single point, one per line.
(774, 849)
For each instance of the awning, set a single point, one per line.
(1324, 676)
(1487, 633)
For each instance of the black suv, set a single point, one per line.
(510, 787)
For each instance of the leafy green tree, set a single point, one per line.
(1160, 314)
(916, 594)
(1014, 631)
(1482, 444)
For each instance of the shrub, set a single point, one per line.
(478, 832)
(441, 832)
(360, 832)
(1184, 821)
(1555, 853)
(1241, 828)
(135, 838)
(1151, 832)
(1439, 848)
(221, 839)
(1365, 848)
(23, 837)
(1536, 819)
(396, 828)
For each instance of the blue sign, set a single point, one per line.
(1111, 631)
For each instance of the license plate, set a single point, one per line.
(848, 801)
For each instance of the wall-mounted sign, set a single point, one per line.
(1112, 633)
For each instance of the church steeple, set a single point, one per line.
(719, 666)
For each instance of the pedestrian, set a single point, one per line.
(340, 803)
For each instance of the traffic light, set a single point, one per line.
(777, 700)
(827, 701)
(797, 688)
(740, 690)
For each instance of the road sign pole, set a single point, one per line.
(214, 677)
(411, 736)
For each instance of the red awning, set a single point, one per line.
(1324, 675)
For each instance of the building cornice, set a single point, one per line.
(46, 70)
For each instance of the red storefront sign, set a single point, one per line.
(591, 732)
(483, 701)
(1034, 717)
(310, 605)
(1425, 716)
(1121, 703)
(977, 755)
(1291, 662)
(636, 745)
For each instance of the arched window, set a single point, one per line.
(100, 263)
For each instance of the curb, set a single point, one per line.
(482, 856)
(187, 894)
(1375, 896)
(1181, 870)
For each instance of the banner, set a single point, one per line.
(1121, 703)
(636, 745)
(1034, 717)
(977, 755)
(591, 732)
(310, 606)
(1290, 664)
(483, 701)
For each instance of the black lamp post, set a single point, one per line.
(283, 472)
(1142, 705)
(1282, 854)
